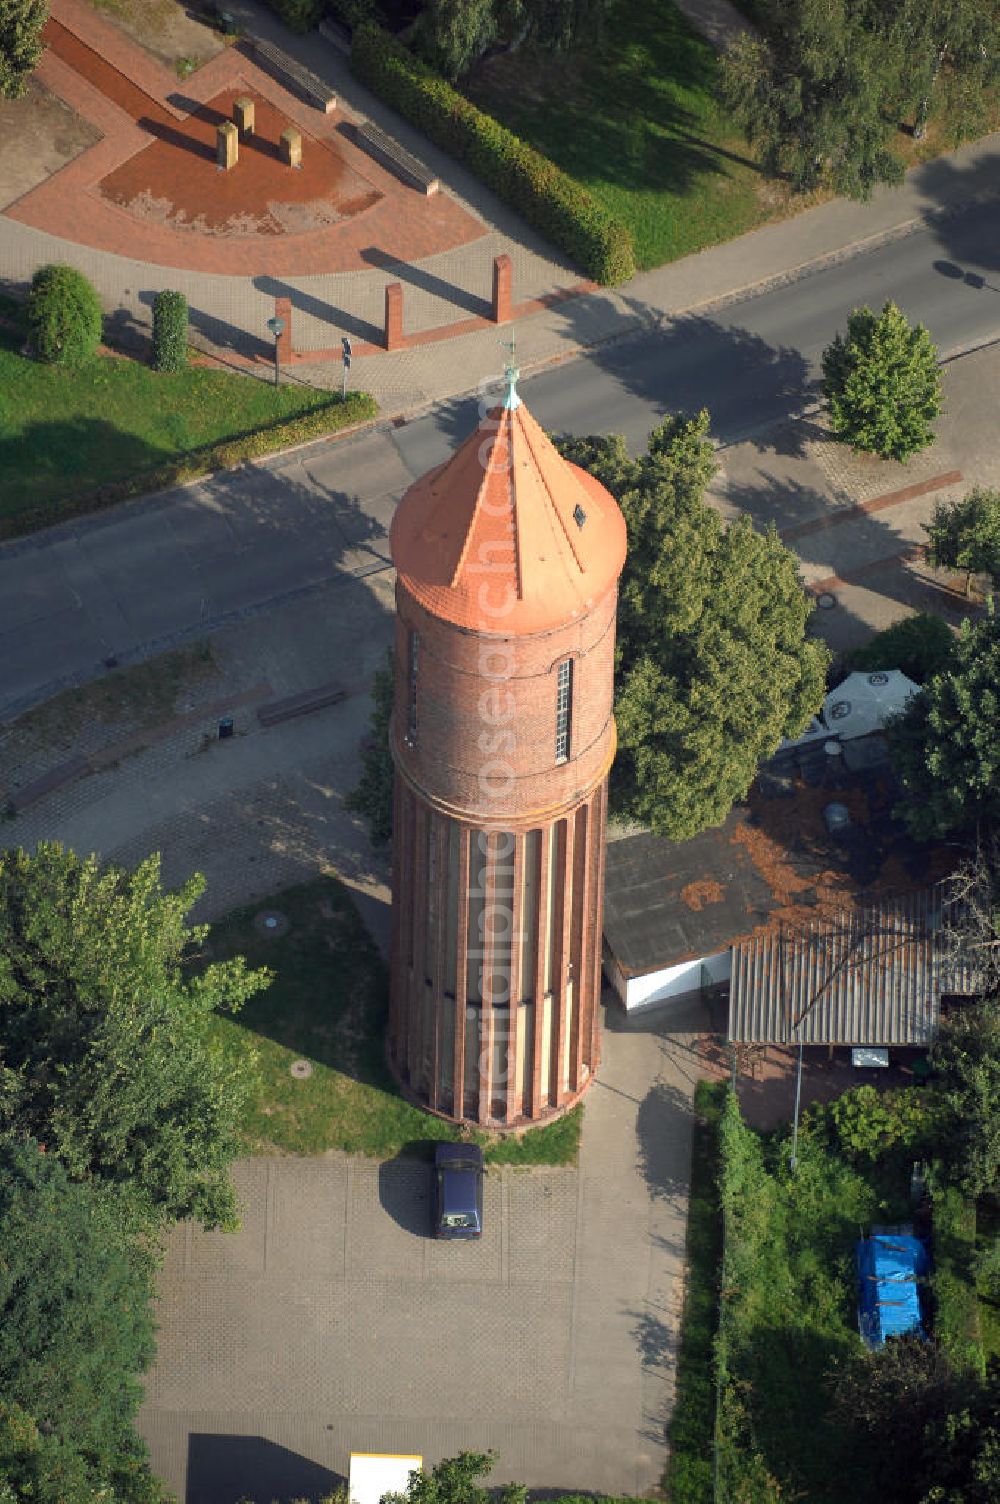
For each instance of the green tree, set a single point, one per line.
(713, 664)
(961, 1449)
(966, 1061)
(106, 1056)
(372, 798)
(965, 535)
(924, 36)
(810, 98)
(21, 23)
(945, 748)
(76, 1330)
(889, 1397)
(882, 384)
(455, 1481)
(455, 33)
(64, 316)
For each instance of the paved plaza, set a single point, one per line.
(332, 1323)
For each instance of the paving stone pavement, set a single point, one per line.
(333, 1323)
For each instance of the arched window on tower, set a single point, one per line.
(564, 708)
(411, 689)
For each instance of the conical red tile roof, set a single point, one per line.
(507, 537)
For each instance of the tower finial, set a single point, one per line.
(511, 399)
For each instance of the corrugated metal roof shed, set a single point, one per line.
(873, 976)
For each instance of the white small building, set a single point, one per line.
(374, 1474)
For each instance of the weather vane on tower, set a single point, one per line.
(511, 372)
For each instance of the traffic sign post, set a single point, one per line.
(345, 346)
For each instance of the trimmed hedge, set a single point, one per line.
(299, 15)
(548, 198)
(64, 315)
(359, 407)
(170, 331)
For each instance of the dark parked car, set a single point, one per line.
(457, 1191)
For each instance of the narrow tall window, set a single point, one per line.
(411, 719)
(564, 706)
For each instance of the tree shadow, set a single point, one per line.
(614, 122)
(228, 1469)
(43, 464)
(695, 360)
(965, 230)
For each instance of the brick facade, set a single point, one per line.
(502, 758)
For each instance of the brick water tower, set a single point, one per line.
(507, 561)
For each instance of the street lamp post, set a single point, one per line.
(277, 328)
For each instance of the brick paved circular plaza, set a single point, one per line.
(151, 189)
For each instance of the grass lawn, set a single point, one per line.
(65, 432)
(637, 121)
(689, 1471)
(790, 1314)
(327, 1005)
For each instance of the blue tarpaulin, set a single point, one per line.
(889, 1267)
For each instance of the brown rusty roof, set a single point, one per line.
(871, 975)
(771, 864)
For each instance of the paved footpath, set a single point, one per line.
(331, 1323)
(232, 310)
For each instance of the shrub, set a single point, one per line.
(64, 316)
(882, 384)
(170, 329)
(919, 645)
(299, 15)
(548, 198)
(866, 1124)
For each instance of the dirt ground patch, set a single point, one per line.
(97, 714)
(167, 30)
(40, 134)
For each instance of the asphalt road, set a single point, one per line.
(155, 572)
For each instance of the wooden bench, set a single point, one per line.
(301, 704)
(297, 79)
(396, 158)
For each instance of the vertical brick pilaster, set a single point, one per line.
(394, 316)
(580, 950)
(566, 833)
(462, 972)
(536, 1103)
(283, 310)
(599, 837)
(489, 961)
(514, 1102)
(438, 1002)
(503, 280)
(423, 834)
